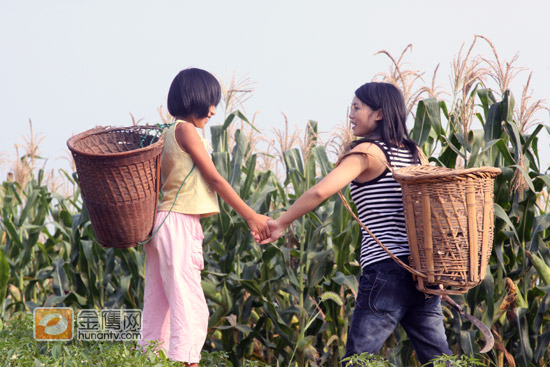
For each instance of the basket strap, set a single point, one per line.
(350, 210)
(423, 159)
(421, 156)
(172, 207)
(395, 258)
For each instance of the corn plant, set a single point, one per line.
(514, 297)
(50, 255)
(289, 302)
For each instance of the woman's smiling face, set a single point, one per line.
(363, 119)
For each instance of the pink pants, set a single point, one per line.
(175, 311)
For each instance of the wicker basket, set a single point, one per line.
(449, 215)
(120, 181)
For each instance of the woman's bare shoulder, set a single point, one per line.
(368, 148)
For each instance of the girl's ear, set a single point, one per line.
(378, 116)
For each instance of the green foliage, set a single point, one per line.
(455, 361)
(19, 348)
(365, 360)
(53, 257)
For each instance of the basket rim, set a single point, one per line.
(416, 172)
(105, 129)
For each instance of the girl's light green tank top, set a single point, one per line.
(195, 197)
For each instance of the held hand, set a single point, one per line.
(258, 227)
(255, 236)
(276, 230)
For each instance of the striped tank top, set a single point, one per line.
(379, 205)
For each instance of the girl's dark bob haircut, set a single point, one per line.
(392, 129)
(192, 92)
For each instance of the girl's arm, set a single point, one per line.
(190, 141)
(348, 170)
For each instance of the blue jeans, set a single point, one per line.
(387, 296)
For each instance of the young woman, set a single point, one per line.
(175, 312)
(387, 295)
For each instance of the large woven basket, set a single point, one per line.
(119, 175)
(449, 215)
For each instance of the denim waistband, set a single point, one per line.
(386, 265)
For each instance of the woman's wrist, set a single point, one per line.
(282, 223)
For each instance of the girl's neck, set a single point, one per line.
(189, 120)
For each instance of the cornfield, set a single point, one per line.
(289, 303)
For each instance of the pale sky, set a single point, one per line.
(70, 65)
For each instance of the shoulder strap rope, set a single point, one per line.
(172, 207)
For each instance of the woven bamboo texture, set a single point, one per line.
(449, 215)
(119, 180)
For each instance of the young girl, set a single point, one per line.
(387, 295)
(175, 312)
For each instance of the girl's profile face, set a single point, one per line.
(363, 119)
(201, 122)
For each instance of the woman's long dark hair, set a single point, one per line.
(392, 129)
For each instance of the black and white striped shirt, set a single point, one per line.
(380, 207)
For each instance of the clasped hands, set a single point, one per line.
(276, 229)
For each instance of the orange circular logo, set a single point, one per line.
(53, 323)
